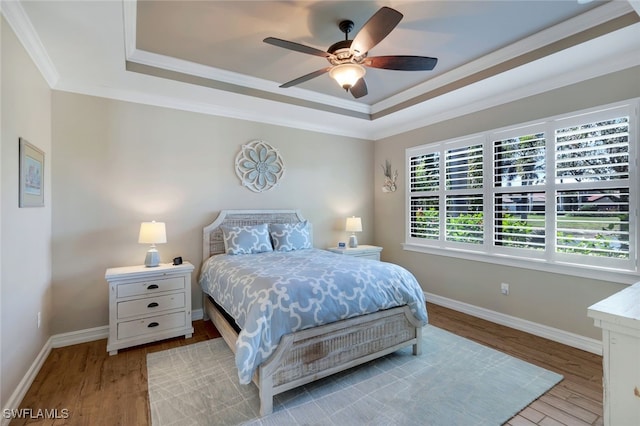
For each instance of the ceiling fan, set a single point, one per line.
(349, 57)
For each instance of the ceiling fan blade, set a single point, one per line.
(401, 63)
(296, 46)
(305, 77)
(375, 29)
(359, 89)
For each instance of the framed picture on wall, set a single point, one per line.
(31, 175)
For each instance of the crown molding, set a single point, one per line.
(129, 19)
(217, 75)
(231, 105)
(563, 30)
(451, 81)
(19, 21)
(517, 83)
(525, 80)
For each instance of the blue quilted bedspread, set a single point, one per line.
(275, 293)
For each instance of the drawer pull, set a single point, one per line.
(152, 287)
(153, 324)
(152, 305)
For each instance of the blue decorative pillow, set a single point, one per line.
(246, 239)
(289, 236)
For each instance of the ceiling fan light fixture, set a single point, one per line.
(347, 75)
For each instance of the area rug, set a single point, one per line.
(454, 382)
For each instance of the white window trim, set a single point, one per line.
(546, 262)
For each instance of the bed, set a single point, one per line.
(343, 339)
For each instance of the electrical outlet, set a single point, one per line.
(39, 319)
(504, 289)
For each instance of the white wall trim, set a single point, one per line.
(97, 333)
(59, 341)
(583, 22)
(604, 274)
(566, 338)
(219, 75)
(197, 314)
(16, 397)
(79, 336)
(22, 27)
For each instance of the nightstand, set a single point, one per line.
(366, 252)
(148, 304)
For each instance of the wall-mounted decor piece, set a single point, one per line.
(389, 178)
(259, 166)
(31, 175)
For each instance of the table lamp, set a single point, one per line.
(354, 224)
(152, 233)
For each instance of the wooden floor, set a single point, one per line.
(98, 389)
(576, 400)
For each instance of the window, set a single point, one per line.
(562, 191)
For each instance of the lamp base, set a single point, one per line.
(152, 259)
(353, 241)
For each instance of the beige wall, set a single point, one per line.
(25, 233)
(118, 164)
(558, 301)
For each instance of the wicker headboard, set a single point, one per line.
(212, 242)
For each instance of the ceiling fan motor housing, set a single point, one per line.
(341, 51)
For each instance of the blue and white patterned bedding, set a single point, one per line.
(274, 293)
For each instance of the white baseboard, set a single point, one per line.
(59, 341)
(566, 338)
(81, 336)
(97, 333)
(90, 334)
(16, 397)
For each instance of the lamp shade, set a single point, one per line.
(354, 224)
(152, 233)
(347, 74)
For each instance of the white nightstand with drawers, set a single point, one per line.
(364, 251)
(148, 304)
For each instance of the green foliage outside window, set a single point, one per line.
(465, 228)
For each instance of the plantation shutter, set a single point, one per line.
(592, 177)
(464, 197)
(561, 192)
(519, 172)
(424, 185)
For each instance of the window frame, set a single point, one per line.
(548, 259)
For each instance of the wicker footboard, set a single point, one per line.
(311, 354)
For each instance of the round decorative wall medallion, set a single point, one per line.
(259, 166)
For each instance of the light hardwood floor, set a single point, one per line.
(97, 389)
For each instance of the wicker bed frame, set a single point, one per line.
(305, 356)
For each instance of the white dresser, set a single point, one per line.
(148, 304)
(364, 251)
(619, 318)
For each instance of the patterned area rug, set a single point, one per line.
(454, 382)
